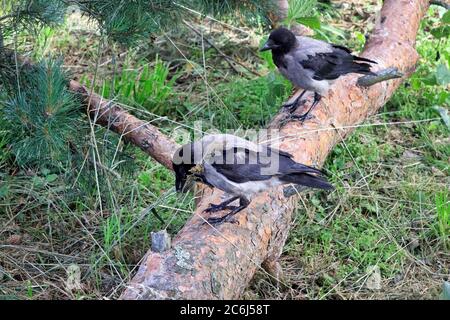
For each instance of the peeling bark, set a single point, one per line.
(209, 263)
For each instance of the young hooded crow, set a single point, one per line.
(240, 168)
(311, 64)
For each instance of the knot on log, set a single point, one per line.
(183, 258)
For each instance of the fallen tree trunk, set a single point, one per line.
(210, 263)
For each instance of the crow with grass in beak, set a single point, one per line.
(311, 64)
(240, 168)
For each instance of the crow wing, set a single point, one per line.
(239, 165)
(328, 61)
(243, 165)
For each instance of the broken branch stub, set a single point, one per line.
(380, 76)
(218, 263)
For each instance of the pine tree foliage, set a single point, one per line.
(128, 21)
(17, 15)
(42, 115)
(250, 10)
(123, 21)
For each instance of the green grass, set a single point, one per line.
(442, 225)
(147, 85)
(390, 208)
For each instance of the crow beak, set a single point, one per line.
(269, 45)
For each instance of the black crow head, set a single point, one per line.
(182, 171)
(182, 166)
(280, 40)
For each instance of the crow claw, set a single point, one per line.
(290, 107)
(243, 203)
(220, 220)
(213, 208)
(218, 207)
(302, 118)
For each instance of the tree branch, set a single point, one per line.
(138, 132)
(441, 3)
(382, 75)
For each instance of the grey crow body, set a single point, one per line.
(240, 168)
(312, 64)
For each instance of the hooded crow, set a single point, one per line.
(311, 64)
(240, 168)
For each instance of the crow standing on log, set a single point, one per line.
(311, 64)
(240, 168)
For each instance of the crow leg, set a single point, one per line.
(222, 206)
(243, 203)
(290, 107)
(305, 116)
